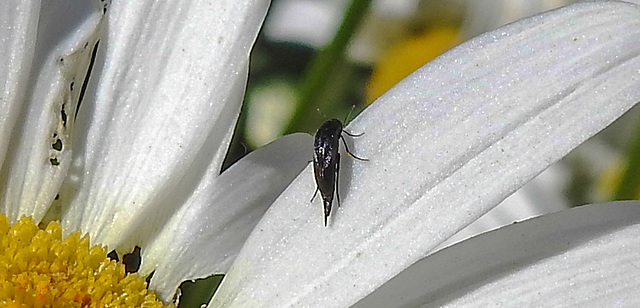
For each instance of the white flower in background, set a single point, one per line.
(446, 145)
(138, 163)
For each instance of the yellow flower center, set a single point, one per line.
(39, 269)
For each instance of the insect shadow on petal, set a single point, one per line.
(326, 162)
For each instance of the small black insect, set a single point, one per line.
(326, 162)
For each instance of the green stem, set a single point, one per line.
(629, 185)
(320, 69)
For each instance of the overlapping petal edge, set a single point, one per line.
(582, 256)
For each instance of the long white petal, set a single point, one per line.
(577, 257)
(540, 196)
(18, 25)
(59, 51)
(445, 145)
(204, 237)
(165, 105)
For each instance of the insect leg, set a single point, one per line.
(353, 135)
(314, 194)
(337, 177)
(349, 152)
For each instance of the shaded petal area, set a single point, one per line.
(164, 105)
(582, 256)
(205, 235)
(46, 55)
(445, 145)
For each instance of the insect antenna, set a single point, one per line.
(348, 115)
(321, 113)
(345, 124)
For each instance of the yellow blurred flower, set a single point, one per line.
(407, 56)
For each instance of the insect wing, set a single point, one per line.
(324, 167)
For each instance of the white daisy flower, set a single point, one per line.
(137, 163)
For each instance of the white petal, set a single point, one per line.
(577, 257)
(18, 25)
(540, 196)
(204, 237)
(162, 113)
(445, 145)
(46, 92)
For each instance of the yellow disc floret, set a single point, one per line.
(39, 269)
